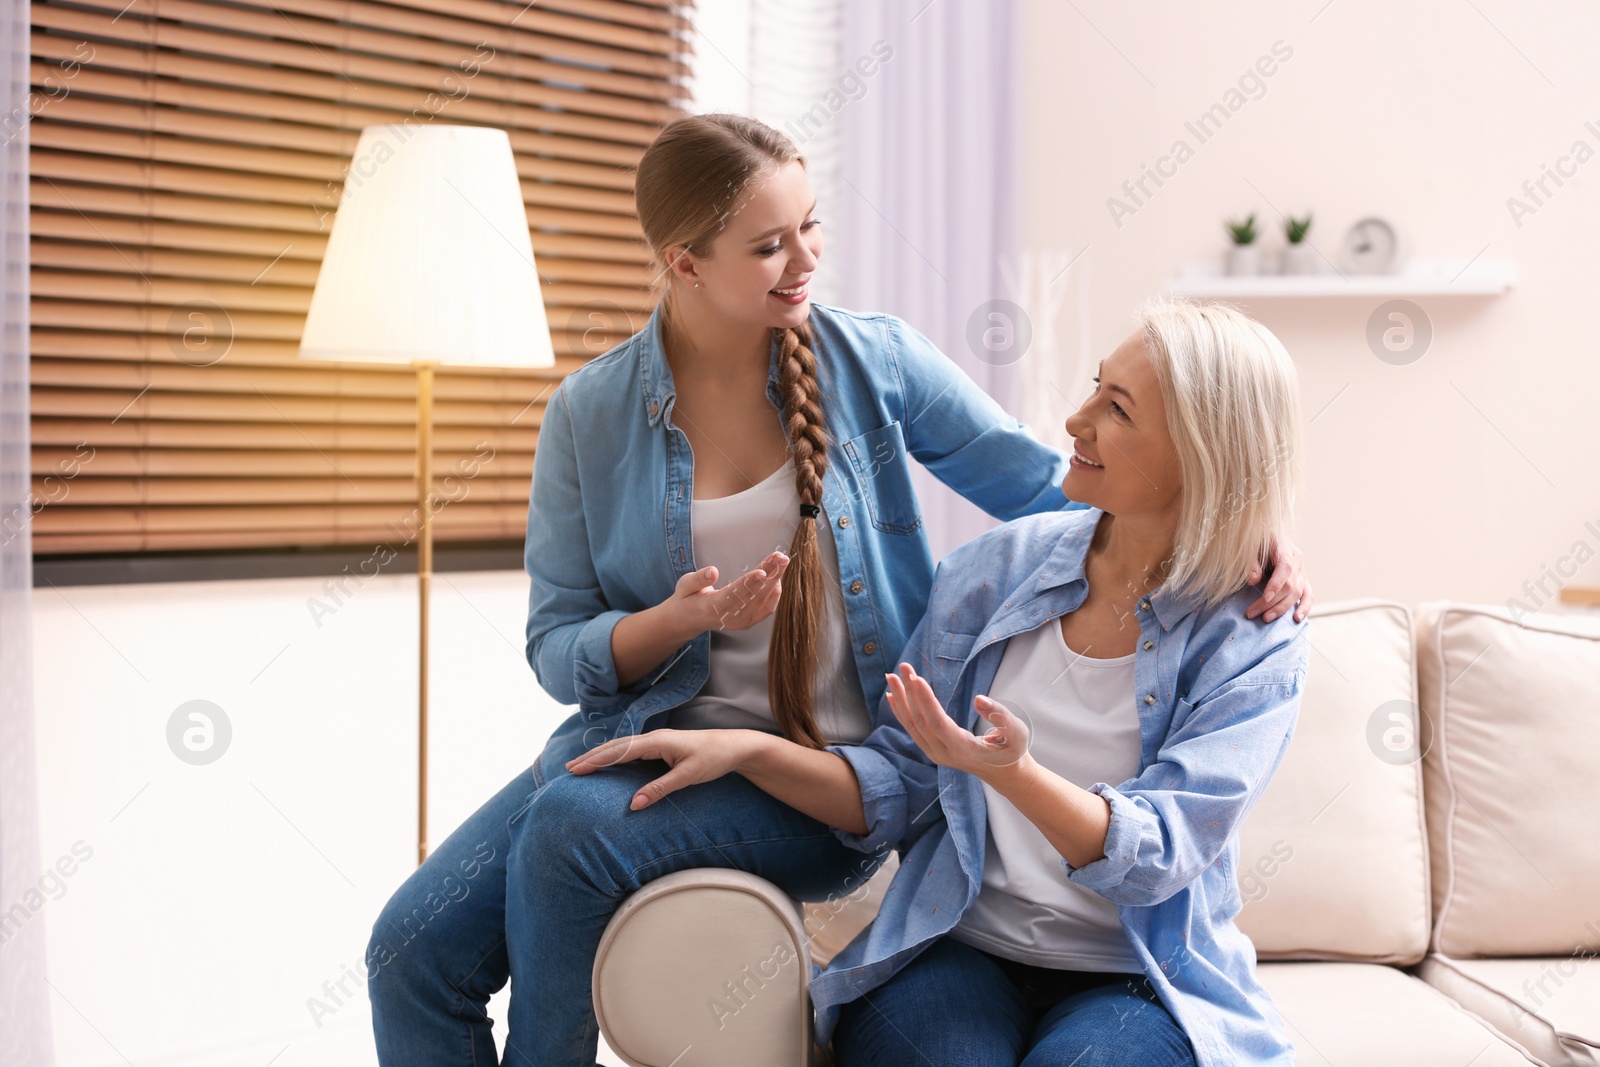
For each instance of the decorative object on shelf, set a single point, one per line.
(1244, 257)
(1580, 597)
(1298, 256)
(1372, 246)
(430, 262)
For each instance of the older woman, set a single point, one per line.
(1042, 914)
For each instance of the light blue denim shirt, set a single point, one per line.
(1217, 696)
(609, 513)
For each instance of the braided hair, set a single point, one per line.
(686, 188)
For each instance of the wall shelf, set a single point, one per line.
(1419, 277)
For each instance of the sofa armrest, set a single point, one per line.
(709, 958)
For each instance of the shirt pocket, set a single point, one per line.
(954, 648)
(883, 475)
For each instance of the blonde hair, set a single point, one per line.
(688, 185)
(1233, 412)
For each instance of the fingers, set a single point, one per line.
(769, 605)
(902, 711)
(694, 581)
(742, 601)
(1011, 733)
(1282, 592)
(1270, 600)
(998, 716)
(919, 709)
(1305, 606)
(617, 750)
(992, 710)
(1282, 605)
(930, 713)
(657, 788)
(1259, 604)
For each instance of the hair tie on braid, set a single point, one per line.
(809, 511)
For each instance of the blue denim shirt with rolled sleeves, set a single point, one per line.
(609, 513)
(1217, 696)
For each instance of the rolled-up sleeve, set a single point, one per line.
(569, 622)
(883, 798)
(969, 442)
(1171, 822)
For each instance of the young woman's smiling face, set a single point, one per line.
(1123, 458)
(771, 243)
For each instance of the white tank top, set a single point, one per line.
(735, 533)
(1086, 729)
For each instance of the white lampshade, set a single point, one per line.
(429, 258)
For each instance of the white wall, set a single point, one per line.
(218, 899)
(1467, 472)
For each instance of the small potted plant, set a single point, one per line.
(1244, 257)
(1298, 256)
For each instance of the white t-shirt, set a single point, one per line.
(1086, 729)
(734, 534)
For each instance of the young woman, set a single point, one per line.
(744, 431)
(1042, 915)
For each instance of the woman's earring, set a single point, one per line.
(697, 285)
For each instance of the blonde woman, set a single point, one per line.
(1078, 726)
(722, 535)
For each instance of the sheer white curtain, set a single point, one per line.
(796, 69)
(24, 1003)
(928, 217)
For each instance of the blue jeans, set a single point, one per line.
(957, 1006)
(525, 887)
(581, 850)
(438, 949)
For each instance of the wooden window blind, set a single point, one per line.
(187, 160)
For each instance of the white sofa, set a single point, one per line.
(1436, 911)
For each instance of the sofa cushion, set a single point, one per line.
(1512, 793)
(833, 924)
(1549, 1005)
(1333, 860)
(1370, 1015)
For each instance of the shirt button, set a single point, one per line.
(844, 520)
(1148, 645)
(1144, 605)
(870, 647)
(1149, 698)
(654, 409)
(856, 587)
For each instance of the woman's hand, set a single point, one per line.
(643, 640)
(1289, 585)
(943, 740)
(694, 755)
(739, 605)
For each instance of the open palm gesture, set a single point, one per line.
(943, 740)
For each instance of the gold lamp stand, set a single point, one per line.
(424, 581)
(461, 291)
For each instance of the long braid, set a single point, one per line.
(797, 626)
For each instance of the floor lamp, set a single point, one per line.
(429, 263)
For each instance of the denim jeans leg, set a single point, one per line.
(1120, 1024)
(580, 850)
(950, 1006)
(438, 949)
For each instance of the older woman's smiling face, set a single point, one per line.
(1123, 459)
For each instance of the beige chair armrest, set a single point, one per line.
(707, 967)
